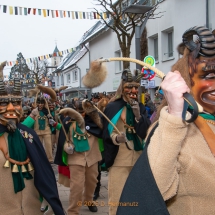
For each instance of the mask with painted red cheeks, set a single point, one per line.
(51, 106)
(40, 103)
(203, 80)
(130, 92)
(10, 108)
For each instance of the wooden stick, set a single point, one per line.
(64, 131)
(117, 130)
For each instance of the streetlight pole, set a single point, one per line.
(138, 9)
(207, 14)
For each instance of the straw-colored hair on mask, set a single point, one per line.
(33, 92)
(48, 91)
(57, 90)
(96, 75)
(73, 114)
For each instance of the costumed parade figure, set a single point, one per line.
(42, 121)
(25, 171)
(58, 107)
(176, 173)
(122, 148)
(101, 101)
(78, 144)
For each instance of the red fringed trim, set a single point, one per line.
(64, 170)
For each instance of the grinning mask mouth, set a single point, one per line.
(10, 105)
(130, 84)
(130, 92)
(10, 108)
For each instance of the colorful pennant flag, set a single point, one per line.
(54, 13)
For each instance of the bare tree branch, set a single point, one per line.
(124, 24)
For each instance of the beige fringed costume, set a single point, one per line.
(183, 166)
(23, 202)
(83, 165)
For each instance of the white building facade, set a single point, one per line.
(165, 33)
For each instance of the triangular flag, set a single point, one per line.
(25, 11)
(11, 10)
(29, 10)
(20, 10)
(16, 10)
(73, 15)
(53, 14)
(39, 12)
(44, 12)
(34, 11)
(80, 15)
(64, 13)
(68, 13)
(76, 15)
(61, 14)
(48, 12)
(4, 8)
(56, 13)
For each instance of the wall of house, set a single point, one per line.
(106, 45)
(178, 16)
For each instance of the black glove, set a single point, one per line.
(121, 138)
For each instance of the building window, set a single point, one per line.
(68, 78)
(57, 81)
(118, 64)
(124, 5)
(75, 75)
(170, 44)
(167, 44)
(55, 62)
(62, 82)
(156, 49)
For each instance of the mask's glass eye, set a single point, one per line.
(210, 75)
(3, 104)
(15, 103)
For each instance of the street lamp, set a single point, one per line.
(138, 9)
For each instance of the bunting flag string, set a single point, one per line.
(25, 11)
(44, 57)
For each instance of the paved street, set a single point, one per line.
(102, 200)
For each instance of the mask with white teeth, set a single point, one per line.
(130, 84)
(10, 105)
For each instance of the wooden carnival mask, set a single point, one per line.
(130, 86)
(10, 105)
(202, 66)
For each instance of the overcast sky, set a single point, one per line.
(36, 35)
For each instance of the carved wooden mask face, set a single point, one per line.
(10, 108)
(130, 91)
(40, 103)
(51, 106)
(204, 84)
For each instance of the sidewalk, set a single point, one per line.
(102, 201)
